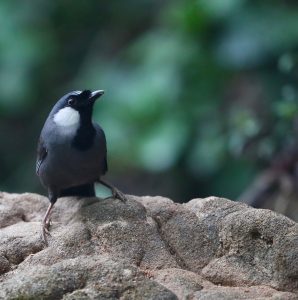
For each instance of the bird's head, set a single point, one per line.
(80, 100)
(74, 106)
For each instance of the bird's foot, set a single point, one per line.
(48, 224)
(45, 231)
(118, 195)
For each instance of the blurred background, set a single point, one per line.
(201, 96)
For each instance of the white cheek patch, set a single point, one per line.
(67, 117)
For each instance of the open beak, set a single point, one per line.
(96, 94)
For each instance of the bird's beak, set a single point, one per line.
(96, 94)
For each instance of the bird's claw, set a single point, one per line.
(119, 195)
(48, 223)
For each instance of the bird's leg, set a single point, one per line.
(46, 218)
(115, 192)
(46, 224)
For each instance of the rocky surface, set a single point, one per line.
(147, 248)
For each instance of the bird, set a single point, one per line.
(72, 152)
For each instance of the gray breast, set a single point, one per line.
(66, 166)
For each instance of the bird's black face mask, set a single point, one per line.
(84, 100)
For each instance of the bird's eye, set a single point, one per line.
(71, 102)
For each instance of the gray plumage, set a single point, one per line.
(60, 164)
(72, 152)
(65, 166)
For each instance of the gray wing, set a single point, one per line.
(41, 154)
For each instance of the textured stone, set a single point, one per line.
(147, 248)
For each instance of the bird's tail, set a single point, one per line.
(84, 190)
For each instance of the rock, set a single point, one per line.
(241, 293)
(83, 275)
(183, 283)
(147, 248)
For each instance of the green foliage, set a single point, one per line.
(189, 85)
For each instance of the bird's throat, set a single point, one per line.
(77, 126)
(67, 117)
(84, 137)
